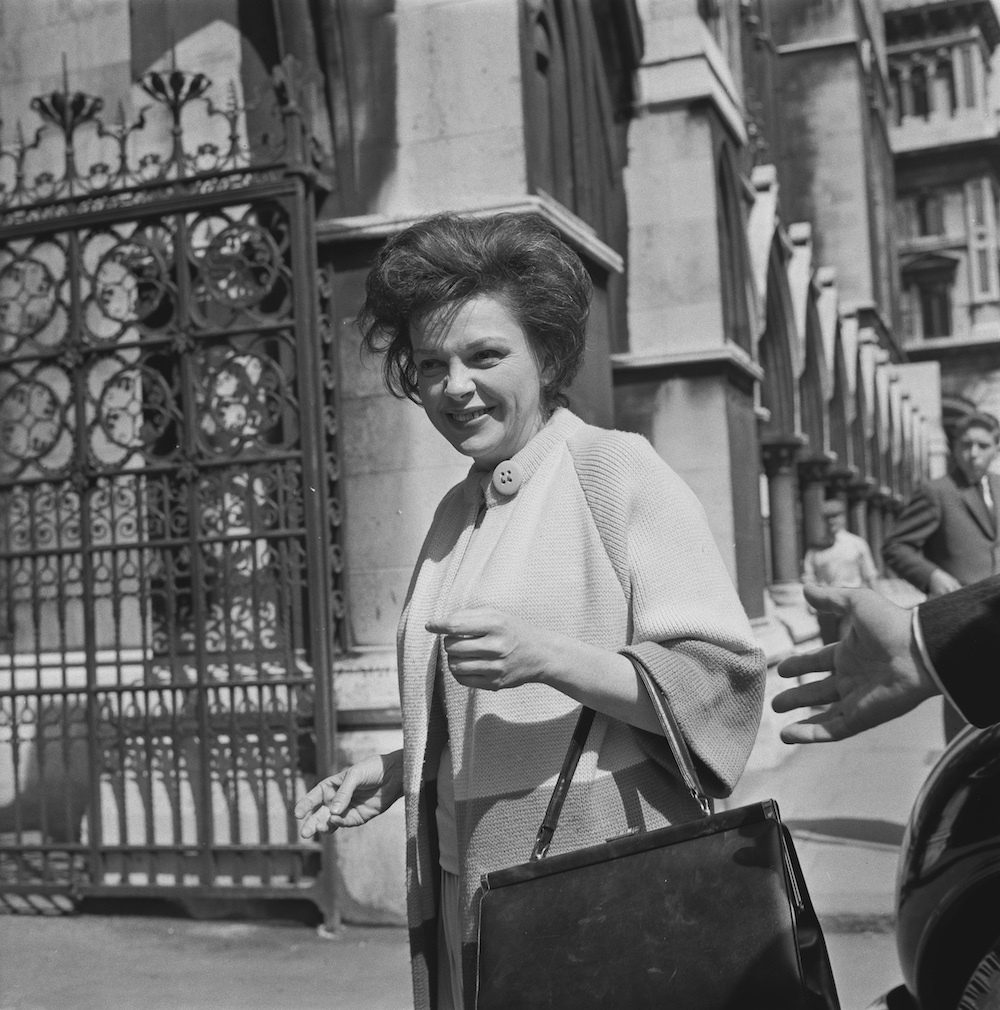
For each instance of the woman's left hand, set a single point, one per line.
(491, 650)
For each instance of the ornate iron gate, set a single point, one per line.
(168, 521)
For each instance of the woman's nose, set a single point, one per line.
(459, 381)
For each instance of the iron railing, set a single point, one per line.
(169, 527)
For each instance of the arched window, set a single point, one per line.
(778, 388)
(549, 120)
(578, 71)
(541, 121)
(734, 254)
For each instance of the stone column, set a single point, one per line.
(905, 92)
(877, 531)
(779, 465)
(813, 475)
(858, 495)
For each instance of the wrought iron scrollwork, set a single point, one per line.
(158, 418)
(129, 155)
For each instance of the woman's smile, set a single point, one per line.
(479, 378)
(465, 416)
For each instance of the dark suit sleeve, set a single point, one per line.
(961, 633)
(903, 551)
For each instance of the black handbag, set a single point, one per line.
(703, 915)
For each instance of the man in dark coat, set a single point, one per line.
(946, 536)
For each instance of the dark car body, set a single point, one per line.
(948, 882)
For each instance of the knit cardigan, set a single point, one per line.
(604, 543)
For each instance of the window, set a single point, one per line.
(896, 95)
(968, 77)
(946, 87)
(919, 91)
(978, 205)
(579, 62)
(982, 233)
(738, 297)
(929, 278)
(930, 214)
(935, 308)
(710, 11)
(546, 164)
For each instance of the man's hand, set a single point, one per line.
(875, 673)
(491, 650)
(941, 582)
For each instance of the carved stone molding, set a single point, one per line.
(780, 455)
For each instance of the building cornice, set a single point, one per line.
(939, 347)
(939, 42)
(573, 229)
(727, 356)
(812, 45)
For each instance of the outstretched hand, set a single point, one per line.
(352, 796)
(875, 672)
(492, 651)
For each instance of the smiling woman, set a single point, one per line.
(567, 558)
(479, 378)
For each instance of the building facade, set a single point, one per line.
(945, 141)
(213, 507)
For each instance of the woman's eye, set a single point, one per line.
(488, 356)
(428, 366)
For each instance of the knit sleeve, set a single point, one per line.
(688, 627)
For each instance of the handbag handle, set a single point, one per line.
(672, 734)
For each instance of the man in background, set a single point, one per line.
(946, 536)
(845, 561)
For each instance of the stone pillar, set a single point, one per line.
(779, 465)
(813, 480)
(978, 78)
(859, 495)
(877, 531)
(906, 94)
(857, 513)
(893, 506)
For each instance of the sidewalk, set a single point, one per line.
(847, 805)
(125, 962)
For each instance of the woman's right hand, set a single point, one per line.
(352, 796)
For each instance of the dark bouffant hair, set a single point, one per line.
(446, 259)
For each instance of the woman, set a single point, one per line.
(567, 554)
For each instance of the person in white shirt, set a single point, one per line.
(845, 561)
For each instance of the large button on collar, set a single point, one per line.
(508, 477)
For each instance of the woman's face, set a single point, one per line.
(479, 379)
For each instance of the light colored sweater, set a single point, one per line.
(605, 543)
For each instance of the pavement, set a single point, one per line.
(847, 805)
(157, 962)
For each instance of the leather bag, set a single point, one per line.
(709, 914)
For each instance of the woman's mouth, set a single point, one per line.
(465, 416)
